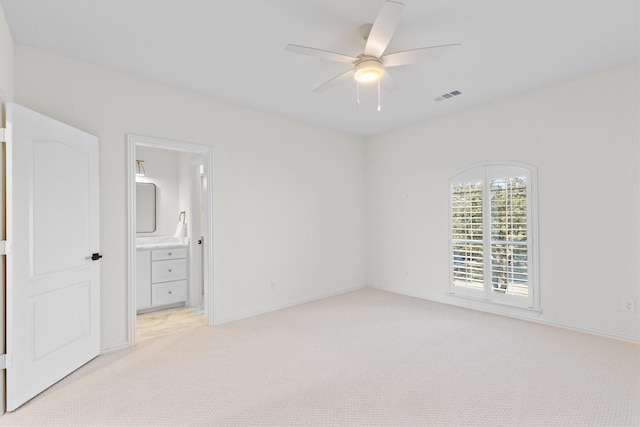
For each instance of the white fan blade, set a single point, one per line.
(331, 83)
(383, 28)
(388, 82)
(416, 55)
(322, 54)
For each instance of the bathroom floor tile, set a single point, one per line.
(159, 323)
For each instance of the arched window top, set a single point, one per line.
(495, 169)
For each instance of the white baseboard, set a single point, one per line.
(223, 320)
(114, 347)
(517, 313)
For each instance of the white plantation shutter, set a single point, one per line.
(492, 254)
(467, 254)
(509, 248)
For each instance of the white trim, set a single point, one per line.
(488, 302)
(4, 165)
(276, 307)
(131, 242)
(114, 347)
(5, 361)
(207, 159)
(514, 313)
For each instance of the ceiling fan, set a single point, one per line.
(370, 66)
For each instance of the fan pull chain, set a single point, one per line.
(358, 95)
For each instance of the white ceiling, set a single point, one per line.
(234, 49)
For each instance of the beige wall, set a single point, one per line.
(289, 198)
(583, 137)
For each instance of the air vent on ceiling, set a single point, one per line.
(448, 95)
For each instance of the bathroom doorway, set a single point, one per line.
(170, 274)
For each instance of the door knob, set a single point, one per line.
(94, 257)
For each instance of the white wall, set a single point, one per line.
(161, 169)
(279, 215)
(6, 59)
(184, 182)
(583, 138)
(289, 198)
(184, 189)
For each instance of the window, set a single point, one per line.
(493, 232)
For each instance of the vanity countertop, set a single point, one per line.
(148, 246)
(160, 242)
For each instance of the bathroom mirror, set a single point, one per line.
(145, 207)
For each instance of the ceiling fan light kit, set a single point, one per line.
(370, 66)
(368, 70)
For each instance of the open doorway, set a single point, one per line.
(170, 273)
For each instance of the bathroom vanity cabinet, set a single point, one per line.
(161, 278)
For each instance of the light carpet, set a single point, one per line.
(364, 358)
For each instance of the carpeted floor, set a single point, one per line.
(363, 358)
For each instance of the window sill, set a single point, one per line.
(482, 304)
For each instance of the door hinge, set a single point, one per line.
(4, 361)
(5, 247)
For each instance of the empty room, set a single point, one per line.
(329, 213)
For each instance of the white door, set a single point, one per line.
(196, 289)
(53, 285)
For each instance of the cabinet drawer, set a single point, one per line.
(168, 293)
(166, 271)
(174, 253)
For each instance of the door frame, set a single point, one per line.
(3, 236)
(207, 159)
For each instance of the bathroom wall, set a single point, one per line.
(184, 186)
(161, 167)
